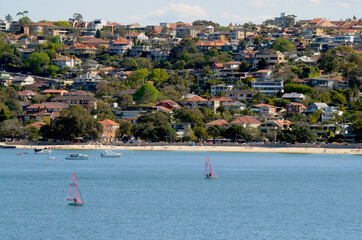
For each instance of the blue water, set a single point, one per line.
(163, 195)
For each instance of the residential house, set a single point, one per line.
(158, 54)
(268, 87)
(181, 128)
(192, 31)
(38, 28)
(263, 74)
(219, 122)
(265, 111)
(220, 35)
(207, 45)
(168, 104)
(55, 92)
(64, 61)
(40, 110)
(234, 105)
(87, 81)
(246, 121)
(109, 131)
(198, 101)
(95, 42)
(5, 79)
(119, 46)
(136, 36)
(316, 27)
(329, 113)
(240, 33)
(78, 48)
(27, 94)
(132, 113)
(86, 102)
(272, 57)
(4, 25)
(240, 95)
(220, 88)
(295, 107)
(315, 106)
(271, 128)
(332, 82)
(23, 80)
(294, 97)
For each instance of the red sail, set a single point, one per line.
(208, 171)
(73, 191)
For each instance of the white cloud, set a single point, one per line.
(233, 18)
(262, 3)
(174, 11)
(341, 4)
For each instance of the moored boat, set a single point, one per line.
(42, 151)
(76, 156)
(110, 154)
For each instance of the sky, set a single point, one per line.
(151, 12)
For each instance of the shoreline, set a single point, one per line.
(246, 149)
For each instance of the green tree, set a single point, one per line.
(289, 88)
(62, 24)
(125, 130)
(184, 115)
(282, 45)
(124, 100)
(244, 66)
(146, 94)
(357, 129)
(201, 133)
(76, 17)
(214, 131)
(262, 64)
(36, 62)
(11, 128)
(138, 77)
(158, 76)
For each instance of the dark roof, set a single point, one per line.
(65, 98)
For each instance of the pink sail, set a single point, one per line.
(74, 192)
(208, 171)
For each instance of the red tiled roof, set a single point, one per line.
(164, 108)
(37, 125)
(263, 104)
(216, 43)
(120, 41)
(219, 122)
(48, 105)
(196, 99)
(108, 122)
(27, 92)
(222, 99)
(245, 120)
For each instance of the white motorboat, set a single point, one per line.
(42, 151)
(76, 156)
(110, 154)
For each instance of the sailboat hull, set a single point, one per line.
(75, 204)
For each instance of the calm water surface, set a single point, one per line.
(162, 195)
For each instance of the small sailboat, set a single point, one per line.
(74, 192)
(209, 173)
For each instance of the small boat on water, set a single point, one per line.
(110, 154)
(76, 156)
(209, 173)
(50, 158)
(42, 151)
(74, 194)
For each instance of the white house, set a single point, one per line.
(328, 113)
(23, 80)
(64, 61)
(269, 87)
(216, 89)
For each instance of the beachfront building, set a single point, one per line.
(109, 131)
(246, 121)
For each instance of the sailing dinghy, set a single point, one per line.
(74, 193)
(209, 173)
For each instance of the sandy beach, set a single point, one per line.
(201, 148)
